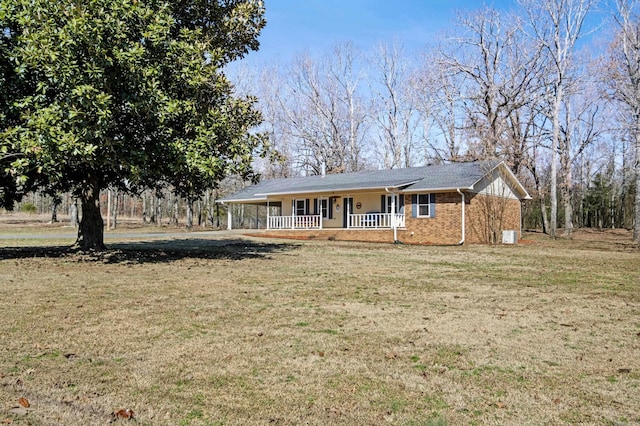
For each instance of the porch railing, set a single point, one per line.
(376, 220)
(295, 222)
(356, 221)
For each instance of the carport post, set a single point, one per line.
(229, 217)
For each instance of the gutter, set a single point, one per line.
(463, 219)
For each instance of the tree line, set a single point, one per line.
(135, 98)
(553, 88)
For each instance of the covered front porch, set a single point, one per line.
(354, 221)
(371, 210)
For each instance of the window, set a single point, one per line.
(324, 208)
(389, 200)
(392, 200)
(425, 204)
(300, 207)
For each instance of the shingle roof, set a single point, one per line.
(413, 179)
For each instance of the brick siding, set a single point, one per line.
(485, 218)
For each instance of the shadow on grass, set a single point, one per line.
(156, 251)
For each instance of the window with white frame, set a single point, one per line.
(300, 207)
(425, 202)
(392, 201)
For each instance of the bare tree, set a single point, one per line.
(557, 25)
(623, 70)
(580, 127)
(324, 111)
(395, 112)
(500, 77)
(475, 53)
(437, 99)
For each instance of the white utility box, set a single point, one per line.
(509, 237)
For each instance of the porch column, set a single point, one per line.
(348, 210)
(393, 217)
(268, 215)
(229, 217)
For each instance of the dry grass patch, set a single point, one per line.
(251, 331)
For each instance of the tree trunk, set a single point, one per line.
(54, 210)
(545, 218)
(114, 209)
(189, 220)
(73, 213)
(91, 229)
(566, 201)
(144, 207)
(554, 162)
(636, 217)
(175, 210)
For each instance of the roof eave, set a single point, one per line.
(442, 189)
(356, 188)
(524, 194)
(241, 200)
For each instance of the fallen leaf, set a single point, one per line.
(7, 421)
(123, 414)
(24, 402)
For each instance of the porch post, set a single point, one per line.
(257, 216)
(229, 217)
(268, 215)
(348, 210)
(393, 217)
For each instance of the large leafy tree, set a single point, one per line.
(123, 93)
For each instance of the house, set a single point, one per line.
(454, 203)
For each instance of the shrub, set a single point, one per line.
(29, 208)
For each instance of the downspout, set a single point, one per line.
(463, 219)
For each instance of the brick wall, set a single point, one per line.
(485, 218)
(444, 228)
(488, 216)
(372, 236)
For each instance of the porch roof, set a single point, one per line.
(414, 179)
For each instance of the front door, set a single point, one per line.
(347, 209)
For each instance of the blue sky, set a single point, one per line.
(295, 26)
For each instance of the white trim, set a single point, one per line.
(434, 190)
(514, 180)
(241, 200)
(418, 204)
(463, 218)
(320, 200)
(336, 190)
(305, 208)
